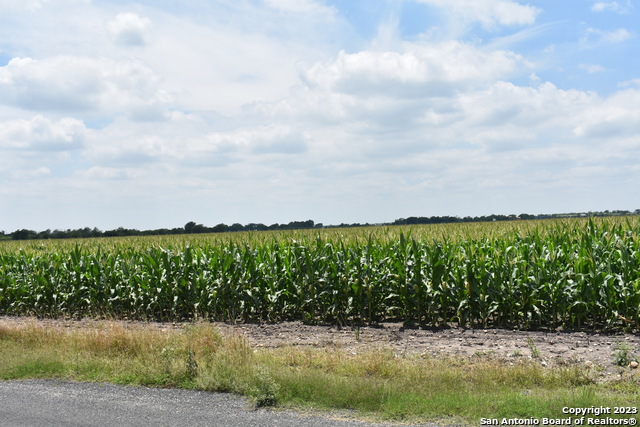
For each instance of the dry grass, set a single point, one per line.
(377, 383)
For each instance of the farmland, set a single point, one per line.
(571, 274)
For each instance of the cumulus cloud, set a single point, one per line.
(393, 95)
(508, 116)
(266, 139)
(78, 84)
(42, 134)
(489, 13)
(613, 117)
(517, 127)
(60, 84)
(183, 141)
(130, 29)
(423, 70)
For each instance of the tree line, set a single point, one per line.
(192, 228)
(189, 228)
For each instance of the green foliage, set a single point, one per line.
(265, 391)
(191, 364)
(527, 275)
(535, 352)
(622, 355)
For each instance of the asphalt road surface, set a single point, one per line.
(45, 403)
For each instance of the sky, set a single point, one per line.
(154, 113)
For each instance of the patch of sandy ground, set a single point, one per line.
(595, 351)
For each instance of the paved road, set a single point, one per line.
(44, 403)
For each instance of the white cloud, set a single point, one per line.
(215, 67)
(525, 110)
(489, 13)
(107, 173)
(186, 144)
(61, 84)
(306, 7)
(42, 134)
(421, 70)
(601, 36)
(616, 116)
(592, 68)
(629, 83)
(267, 139)
(35, 5)
(500, 136)
(129, 29)
(21, 5)
(36, 173)
(612, 6)
(84, 86)
(217, 56)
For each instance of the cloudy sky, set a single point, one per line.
(152, 113)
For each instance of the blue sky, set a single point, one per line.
(151, 114)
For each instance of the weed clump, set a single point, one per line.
(622, 356)
(265, 392)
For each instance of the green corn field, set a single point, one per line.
(572, 274)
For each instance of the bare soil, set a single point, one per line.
(591, 350)
(595, 351)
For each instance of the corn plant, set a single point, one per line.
(531, 275)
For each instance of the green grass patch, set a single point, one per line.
(377, 384)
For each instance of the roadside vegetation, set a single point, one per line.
(375, 384)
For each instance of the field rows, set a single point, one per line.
(572, 274)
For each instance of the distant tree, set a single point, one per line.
(220, 228)
(46, 234)
(118, 232)
(236, 227)
(192, 228)
(256, 227)
(24, 234)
